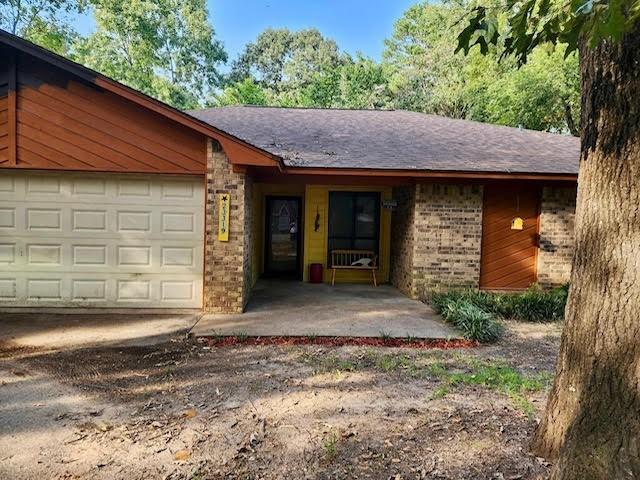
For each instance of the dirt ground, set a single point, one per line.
(183, 409)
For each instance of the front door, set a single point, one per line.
(283, 233)
(509, 236)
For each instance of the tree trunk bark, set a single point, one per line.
(591, 428)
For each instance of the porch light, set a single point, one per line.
(517, 223)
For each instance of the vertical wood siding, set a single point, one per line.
(66, 124)
(509, 257)
(4, 137)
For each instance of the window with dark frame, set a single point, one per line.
(354, 221)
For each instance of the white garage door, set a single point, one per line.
(101, 240)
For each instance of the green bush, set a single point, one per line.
(534, 305)
(474, 322)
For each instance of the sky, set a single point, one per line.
(356, 25)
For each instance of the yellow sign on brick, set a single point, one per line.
(224, 204)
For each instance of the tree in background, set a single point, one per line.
(45, 22)
(541, 95)
(591, 428)
(305, 69)
(165, 48)
(246, 92)
(428, 75)
(286, 62)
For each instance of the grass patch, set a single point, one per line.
(241, 336)
(439, 393)
(452, 372)
(392, 362)
(386, 336)
(330, 446)
(332, 363)
(501, 378)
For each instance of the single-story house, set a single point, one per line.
(109, 198)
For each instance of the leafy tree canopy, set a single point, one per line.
(165, 48)
(429, 75)
(532, 23)
(283, 60)
(45, 22)
(245, 92)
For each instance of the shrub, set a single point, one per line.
(534, 305)
(474, 322)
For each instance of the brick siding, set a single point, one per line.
(557, 214)
(402, 240)
(227, 276)
(440, 235)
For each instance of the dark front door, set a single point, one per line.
(283, 233)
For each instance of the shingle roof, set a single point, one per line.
(394, 139)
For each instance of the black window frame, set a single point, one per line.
(353, 238)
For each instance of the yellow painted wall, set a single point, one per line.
(315, 243)
(315, 199)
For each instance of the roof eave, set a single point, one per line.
(436, 174)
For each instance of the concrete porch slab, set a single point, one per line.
(286, 308)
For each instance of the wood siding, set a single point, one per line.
(4, 134)
(509, 256)
(68, 124)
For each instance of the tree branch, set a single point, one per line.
(571, 124)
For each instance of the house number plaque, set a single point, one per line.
(224, 203)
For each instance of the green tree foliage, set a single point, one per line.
(304, 69)
(427, 74)
(165, 48)
(245, 92)
(45, 22)
(286, 62)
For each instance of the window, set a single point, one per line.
(354, 220)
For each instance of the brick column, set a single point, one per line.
(403, 239)
(437, 238)
(557, 212)
(227, 273)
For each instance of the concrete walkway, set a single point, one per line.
(300, 309)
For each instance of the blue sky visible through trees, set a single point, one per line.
(356, 25)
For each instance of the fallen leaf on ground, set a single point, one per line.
(182, 455)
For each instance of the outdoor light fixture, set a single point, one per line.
(316, 226)
(517, 223)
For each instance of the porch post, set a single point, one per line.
(227, 270)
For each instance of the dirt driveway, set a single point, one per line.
(183, 409)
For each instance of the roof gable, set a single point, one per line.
(237, 150)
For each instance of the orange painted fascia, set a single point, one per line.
(428, 174)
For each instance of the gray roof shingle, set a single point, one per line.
(394, 139)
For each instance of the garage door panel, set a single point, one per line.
(117, 290)
(156, 223)
(74, 240)
(96, 255)
(111, 190)
(8, 218)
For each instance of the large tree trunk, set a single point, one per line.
(591, 429)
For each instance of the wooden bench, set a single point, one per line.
(354, 260)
